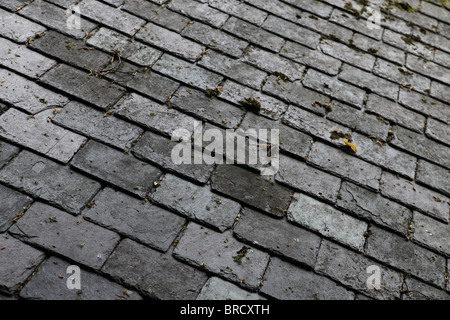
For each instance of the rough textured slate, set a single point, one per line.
(18, 261)
(94, 118)
(62, 233)
(137, 219)
(251, 189)
(221, 254)
(155, 274)
(50, 283)
(94, 124)
(277, 236)
(407, 256)
(12, 204)
(286, 282)
(328, 221)
(40, 135)
(197, 203)
(117, 168)
(50, 181)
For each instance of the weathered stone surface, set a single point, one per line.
(438, 131)
(270, 107)
(427, 68)
(215, 39)
(431, 233)
(7, 151)
(440, 91)
(400, 41)
(17, 261)
(303, 18)
(142, 80)
(23, 60)
(12, 204)
(240, 10)
(13, 5)
(335, 88)
(117, 168)
(442, 58)
(273, 63)
(434, 176)
(237, 147)
(114, 18)
(319, 8)
(291, 31)
(116, 43)
(420, 145)
(312, 58)
(393, 73)
(254, 34)
(414, 195)
(92, 123)
(87, 87)
(399, 253)
(169, 40)
(328, 221)
(373, 207)
(291, 141)
(296, 93)
(153, 115)
(50, 15)
(196, 202)
(435, 11)
(155, 13)
(137, 71)
(17, 28)
(234, 69)
(395, 113)
(27, 95)
(221, 254)
(348, 55)
(186, 72)
(351, 269)
(252, 189)
(158, 150)
(156, 275)
(358, 120)
(286, 282)
(39, 134)
(383, 155)
(300, 176)
(198, 104)
(135, 219)
(218, 289)
(72, 51)
(344, 165)
(50, 181)
(312, 124)
(379, 48)
(200, 11)
(50, 283)
(278, 236)
(417, 290)
(368, 81)
(55, 230)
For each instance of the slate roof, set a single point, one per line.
(87, 179)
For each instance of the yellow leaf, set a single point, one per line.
(349, 144)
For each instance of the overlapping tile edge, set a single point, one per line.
(219, 231)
